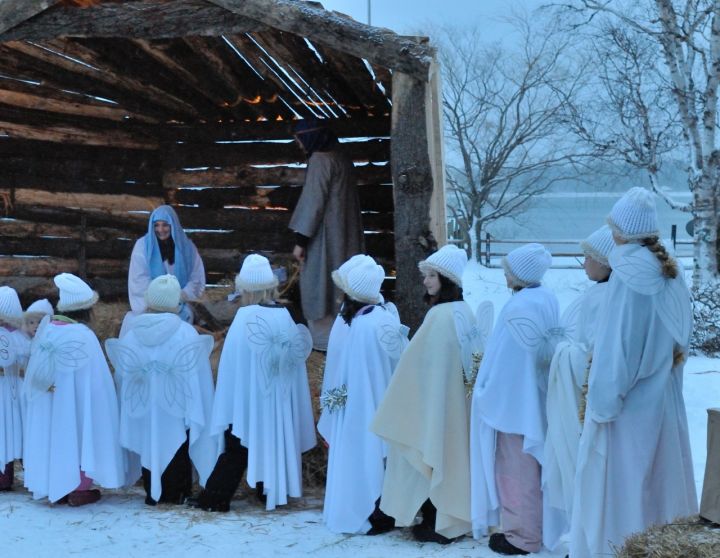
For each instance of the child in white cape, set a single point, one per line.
(365, 344)
(508, 408)
(262, 399)
(163, 371)
(72, 414)
(14, 347)
(634, 466)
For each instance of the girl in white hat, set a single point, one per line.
(508, 408)
(14, 346)
(567, 385)
(166, 391)
(262, 400)
(365, 344)
(634, 466)
(72, 414)
(424, 415)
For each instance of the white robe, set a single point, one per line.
(509, 394)
(139, 277)
(634, 465)
(568, 374)
(14, 346)
(262, 390)
(362, 358)
(166, 389)
(76, 425)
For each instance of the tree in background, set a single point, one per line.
(506, 114)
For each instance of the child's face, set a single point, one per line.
(595, 270)
(31, 324)
(431, 281)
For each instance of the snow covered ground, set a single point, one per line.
(122, 525)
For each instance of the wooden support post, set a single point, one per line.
(413, 181)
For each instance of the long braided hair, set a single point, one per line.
(667, 262)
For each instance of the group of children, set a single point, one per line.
(540, 427)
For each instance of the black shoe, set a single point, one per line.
(498, 543)
(380, 522)
(260, 493)
(423, 533)
(149, 501)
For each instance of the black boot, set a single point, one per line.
(226, 476)
(380, 522)
(425, 530)
(499, 543)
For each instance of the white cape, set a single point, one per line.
(166, 389)
(509, 394)
(568, 375)
(361, 360)
(262, 390)
(634, 465)
(75, 426)
(14, 346)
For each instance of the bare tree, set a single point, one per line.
(685, 36)
(505, 117)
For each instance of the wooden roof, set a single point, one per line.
(111, 69)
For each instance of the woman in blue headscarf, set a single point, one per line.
(165, 249)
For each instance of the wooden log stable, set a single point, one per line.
(111, 108)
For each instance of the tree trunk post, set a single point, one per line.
(413, 190)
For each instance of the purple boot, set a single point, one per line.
(6, 478)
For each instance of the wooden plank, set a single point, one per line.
(49, 267)
(129, 223)
(14, 13)
(17, 228)
(77, 184)
(247, 176)
(412, 176)
(188, 155)
(102, 156)
(149, 19)
(379, 46)
(72, 135)
(98, 202)
(38, 97)
(355, 127)
(66, 247)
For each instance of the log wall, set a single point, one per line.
(80, 208)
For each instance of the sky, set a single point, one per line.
(409, 16)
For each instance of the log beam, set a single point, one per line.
(379, 46)
(72, 135)
(15, 13)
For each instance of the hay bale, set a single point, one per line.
(315, 460)
(688, 537)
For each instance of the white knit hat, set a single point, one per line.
(41, 306)
(599, 245)
(526, 265)
(634, 216)
(10, 308)
(449, 261)
(360, 278)
(255, 275)
(75, 294)
(163, 294)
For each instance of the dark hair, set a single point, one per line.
(83, 316)
(314, 135)
(167, 249)
(449, 292)
(349, 308)
(668, 263)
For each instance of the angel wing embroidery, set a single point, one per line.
(472, 338)
(132, 377)
(571, 317)
(7, 349)
(393, 339)
(535, 338)
(674, 308)
(300, 347)
(46, 356)
(272, 346)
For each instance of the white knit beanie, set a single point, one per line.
(634, 216)
(361, 281)
(41, 306)
(526, 265)
(255, 275)
(339, 276)
(599, 245)
(163, 294)
(449, 261)
(75, 294)
(10, 308)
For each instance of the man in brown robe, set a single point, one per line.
(327, 225)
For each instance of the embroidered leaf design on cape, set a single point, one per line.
(45, 357)
(393, 339)
(276, 349)
(7, 349)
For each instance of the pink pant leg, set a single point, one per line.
(517, 475)
(85, 482)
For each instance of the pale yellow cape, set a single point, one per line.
(424, 418)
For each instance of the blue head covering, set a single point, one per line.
(314, 135)
(183, 246)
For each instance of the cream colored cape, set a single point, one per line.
(424, 418)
